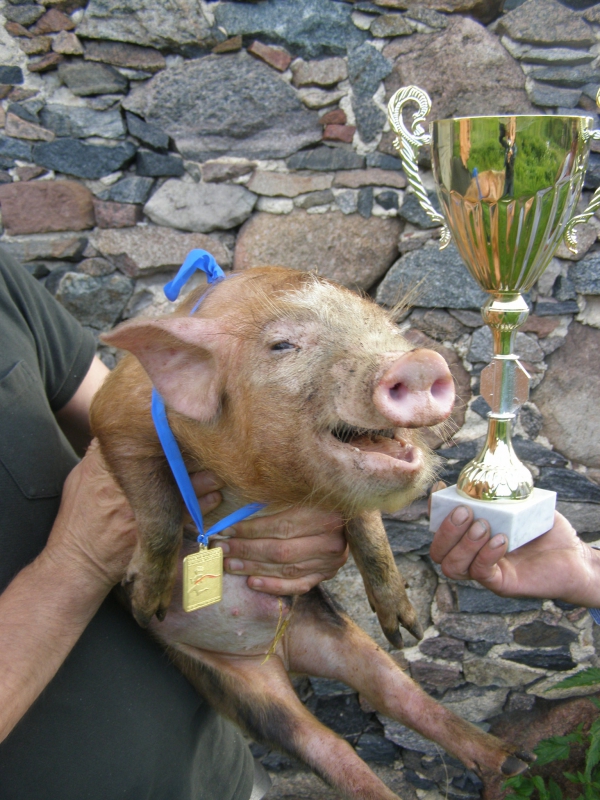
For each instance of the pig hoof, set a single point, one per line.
(161, 613)
(141, 617)
(415, 628)
(513, 766)
(394, 637)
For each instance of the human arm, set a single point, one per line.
(557, 565)
(74, 416)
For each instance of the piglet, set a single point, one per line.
(292, 390)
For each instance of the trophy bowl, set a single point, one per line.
(508, 188)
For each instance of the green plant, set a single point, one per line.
(558, 748)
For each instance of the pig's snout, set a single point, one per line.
(417, 390)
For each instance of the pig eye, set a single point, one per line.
(282, 346)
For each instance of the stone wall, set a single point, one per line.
(136, 130)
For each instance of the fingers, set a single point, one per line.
(457, 563)
(205, 482)
(450, 532)
(209, 502)
(328, 549)
(282, 586)
(484, 567)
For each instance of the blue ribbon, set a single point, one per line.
(201, 260)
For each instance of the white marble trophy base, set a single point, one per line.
(520, 520)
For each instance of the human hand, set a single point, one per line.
(557, 565)
(286, 553)
(94, 530)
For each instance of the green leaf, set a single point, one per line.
(587, 677)
(593, 753)
(554, 790)
(557, 748)
(570, 777)
(539, 784)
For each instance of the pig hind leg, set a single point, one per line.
(324, 642)
(261, 700)
(158, 512)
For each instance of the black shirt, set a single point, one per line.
(118, 720)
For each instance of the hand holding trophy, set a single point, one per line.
(508, 188)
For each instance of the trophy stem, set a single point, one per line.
(497, 473)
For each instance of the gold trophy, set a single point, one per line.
(508, 187)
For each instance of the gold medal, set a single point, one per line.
(202, 578)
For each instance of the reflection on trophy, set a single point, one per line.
(508, 188)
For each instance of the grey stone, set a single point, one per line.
(309, 28)
(405, 737)
(147, 22)
(412, 212)
(200, 207)
(364, 203)
(536, 453)
(96, 267)
(526, 347)
(315, 199)
(475, 703)
(145, 250)
(443, 647)
(567, 396)
(87, 78)
(22, 111)
(428, 16)
(556, 658)
(482, 601)
(405, 537)
(11, 149)
(540, 634)
(324, 72)
(585, 274)
(132, 189)
(584, 517)
(148, 134)
(475, 627)
(366, 69)
(37, 269)
(377, 749)
(461, 68)
(570, 485)
(570, 77)
(497, 672)
(553, 308)
(392, 25)
(82, 160)
(546, 22)
(25, 15)
(260, 115)
(342, 714)
(324, 159)
(325, 687)
(435, 678)
(95, 302)
(564, 289)
(151, 164)
(387, 200)
(383, 161)
(556, 56)
(441, 276)
(347, 201)
(11, 75)
(79, 123)
(532, 421)
(370, 119)
(53, 246)
(544, 95)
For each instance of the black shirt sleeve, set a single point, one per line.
(64, 349)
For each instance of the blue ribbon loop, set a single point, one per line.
(201, 260)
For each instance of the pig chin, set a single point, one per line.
(383, 469)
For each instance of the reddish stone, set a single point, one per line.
(29, 173)
(335, 117)
(231, 45)
(36, 46)
(45, 63)
(43, 206)
(21, 129)
(540, 325)
(116, 215)
(16, 29)
(19, 93)
(53, 21)
(131, 56)
(275, 57)
(2, 117)
(339, 133)
(4, 90)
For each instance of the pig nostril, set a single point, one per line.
(398, 392)
(439, 389)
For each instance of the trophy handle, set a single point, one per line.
(408, 143)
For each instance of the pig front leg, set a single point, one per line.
(158, 509)
(260, 699)
(324, 642)
(383, 583)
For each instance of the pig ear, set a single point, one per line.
(181, 356)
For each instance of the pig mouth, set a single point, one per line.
(388, 442)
